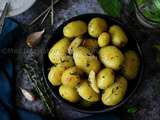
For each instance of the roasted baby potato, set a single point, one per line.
(103, 39)
(55, 73)
(111, 57)
(85, 60)
(115, 93)
(68, 93)
(91, 44)
(92, 81)
(131, 64)
(105, 78)
(66, 62)
(71, 76)
(74, 29)
(96, 26)
(59, 51)
(118, 36)
(86, 92)
(74, 44)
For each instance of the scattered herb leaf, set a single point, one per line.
(132, 110)
(131, 6)
(88, 64)
(140, 2)
(111, 7)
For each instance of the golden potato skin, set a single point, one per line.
(68, 93)
(111, 57)
(71, 77)
(115, 93)
(74, 29)
(118, 36)
(91, 44)
(85, 60)
(87, 93)
(131, 64)
(105, 78)
(54, 76)
(96, 26)
(103, 39)
(59, 51)
(74, 44)
(66, 62)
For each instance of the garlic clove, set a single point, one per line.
(28, 95)
(34, 38)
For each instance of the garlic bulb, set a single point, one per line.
(34, 38)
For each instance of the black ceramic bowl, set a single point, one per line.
(98, 107)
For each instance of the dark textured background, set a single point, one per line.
(146, 98)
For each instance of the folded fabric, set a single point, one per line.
(6, 69)
(6, 36)
(11, 32)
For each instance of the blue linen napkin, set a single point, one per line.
(12, 31)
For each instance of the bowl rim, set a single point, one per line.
(140, 72)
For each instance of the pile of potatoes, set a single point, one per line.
(88, 63)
